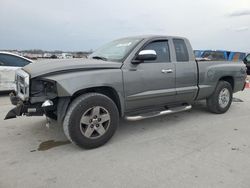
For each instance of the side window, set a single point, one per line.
(1, 61)
(162, 51)
(181, 50)
(13, 61)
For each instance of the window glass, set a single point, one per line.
(2, 63)
(162, 51)
(13, 61)
(180, 50)
(116, 50)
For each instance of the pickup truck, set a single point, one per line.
(132, 78)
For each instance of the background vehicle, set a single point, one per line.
(9, 63)
(213, 55)
(133, 78)
(198, 53)
(236, 56)
(247, 62)
(219, 55)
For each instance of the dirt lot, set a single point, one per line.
(189, 149)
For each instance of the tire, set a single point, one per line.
(83, 126)
(220, 101)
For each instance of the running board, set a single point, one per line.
(158, 113)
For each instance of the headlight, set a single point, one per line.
(22, 84)
(43, 88)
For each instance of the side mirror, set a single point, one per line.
(145, 55)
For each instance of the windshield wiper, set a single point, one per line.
(100, 57)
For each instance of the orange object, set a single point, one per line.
(247, 84)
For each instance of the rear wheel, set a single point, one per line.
(91, 120)
(220, 101)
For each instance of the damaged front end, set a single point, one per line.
(25, 108)
(18, 110)
(33, 97)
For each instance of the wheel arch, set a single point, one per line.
(105, 90)
(228, 79)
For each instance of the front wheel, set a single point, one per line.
(91, 120)
(220, 101)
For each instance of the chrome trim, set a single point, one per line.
(167, 71)
(158, 113)
(147, 52)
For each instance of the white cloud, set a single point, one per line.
(83, 25)
(240, 13)
(240, 29)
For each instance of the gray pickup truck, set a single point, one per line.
(132, 78)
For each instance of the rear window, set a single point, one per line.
(181, 50)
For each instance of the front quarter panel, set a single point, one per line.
(71, 82)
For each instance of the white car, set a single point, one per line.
(9, 63)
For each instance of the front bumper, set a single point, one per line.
(25, 108)
(18, 110)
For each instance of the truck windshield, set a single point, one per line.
(116, 50)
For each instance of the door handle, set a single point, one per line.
(167, 71)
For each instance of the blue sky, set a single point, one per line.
(87, 24)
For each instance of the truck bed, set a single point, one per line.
(210, 72)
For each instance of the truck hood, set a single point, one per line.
(44, 67)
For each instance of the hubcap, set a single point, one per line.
(95, 122)
(224, 98)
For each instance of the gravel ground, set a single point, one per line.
(188, 149)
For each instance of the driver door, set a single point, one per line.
(151, 83)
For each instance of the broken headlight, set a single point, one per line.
(43, 88)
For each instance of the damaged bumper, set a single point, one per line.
(25, 108)
(18, 110)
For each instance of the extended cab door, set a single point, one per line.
(150, 83)
(186, 71)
